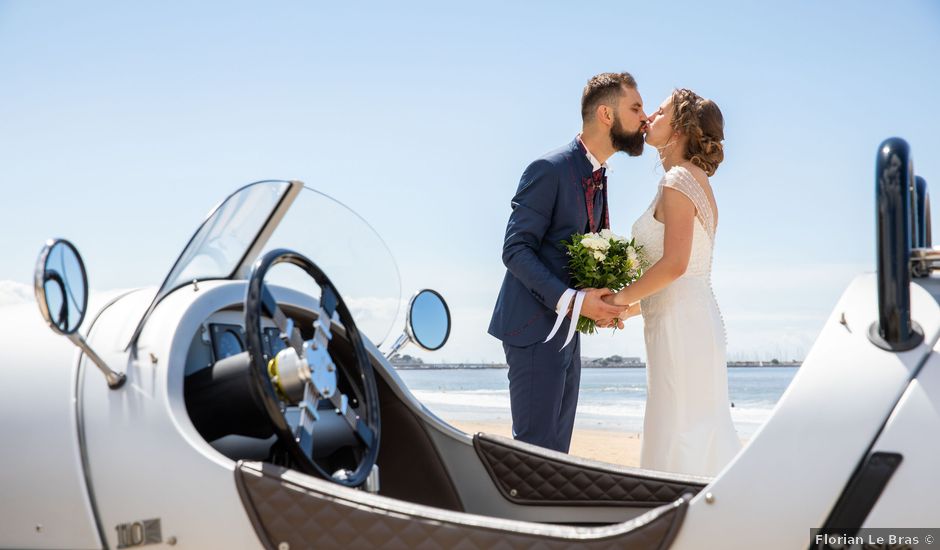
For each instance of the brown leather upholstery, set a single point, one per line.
(526, 474)
(410, 467)
(286, 506)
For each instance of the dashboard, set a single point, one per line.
(228, 339)
(222, 334)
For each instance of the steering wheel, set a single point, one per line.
(304, 373)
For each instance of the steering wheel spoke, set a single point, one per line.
(365, 433)
(288, 332)
(308, 418)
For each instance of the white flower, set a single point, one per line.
(599, 256)
(632, 255)
(595, 243)
(608, 235)
(588, 241)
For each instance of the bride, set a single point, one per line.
(687, 426)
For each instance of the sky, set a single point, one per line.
(122, 124)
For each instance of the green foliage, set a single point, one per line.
(614, 269)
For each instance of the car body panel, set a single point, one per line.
(42, 476)
(909, 499)
(791, 473)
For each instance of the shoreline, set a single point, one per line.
(485, 366)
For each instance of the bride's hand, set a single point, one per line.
(610, 323)
(616, 299)
(632, 311)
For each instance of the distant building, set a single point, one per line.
(614, 361)
(399, 361)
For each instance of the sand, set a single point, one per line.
(606, 445)
(610, 446)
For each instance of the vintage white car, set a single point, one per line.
(245, 404)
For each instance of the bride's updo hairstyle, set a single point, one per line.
(701, 120)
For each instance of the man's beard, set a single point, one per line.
(630, 143)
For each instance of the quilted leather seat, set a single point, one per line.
(287, 507)
(531, 475)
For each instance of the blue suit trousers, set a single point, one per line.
(543, 391)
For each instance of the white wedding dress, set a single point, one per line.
(687, 427)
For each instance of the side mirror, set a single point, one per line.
(61, 287)
(427, 322)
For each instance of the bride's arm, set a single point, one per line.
(679, 219)
(633, 310)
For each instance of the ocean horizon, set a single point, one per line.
(611, 399)
(586, 363)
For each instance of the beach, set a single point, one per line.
(621, 448)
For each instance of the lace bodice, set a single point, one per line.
(649, 232)
(695, 284)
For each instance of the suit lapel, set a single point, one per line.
(581, 170)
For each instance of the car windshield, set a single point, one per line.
(269, 215)
(220, 245)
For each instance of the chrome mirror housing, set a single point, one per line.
(61, 286)
(427, 322)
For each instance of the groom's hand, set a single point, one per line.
(596, 308)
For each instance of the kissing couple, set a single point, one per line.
(687, 425)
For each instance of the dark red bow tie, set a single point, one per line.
(599, 178)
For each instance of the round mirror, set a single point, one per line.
(61, 286)
(429, 320)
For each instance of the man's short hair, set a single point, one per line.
(604, 89)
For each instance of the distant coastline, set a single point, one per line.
(585, 363)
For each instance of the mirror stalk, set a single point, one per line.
(115, 379)
(400, 343)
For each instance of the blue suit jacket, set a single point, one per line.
(549, 206)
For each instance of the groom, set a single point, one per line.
(562, 193)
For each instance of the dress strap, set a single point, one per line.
(682, 180)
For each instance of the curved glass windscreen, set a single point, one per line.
(219, 246)
(269, 215)
(351, 254)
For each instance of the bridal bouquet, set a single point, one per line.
(602, 260)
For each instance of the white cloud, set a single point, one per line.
(786, 276)
(774, 317)
(376, 317)
(12, 292)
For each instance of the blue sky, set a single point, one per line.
(121, 124)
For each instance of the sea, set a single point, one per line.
(610, 398)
